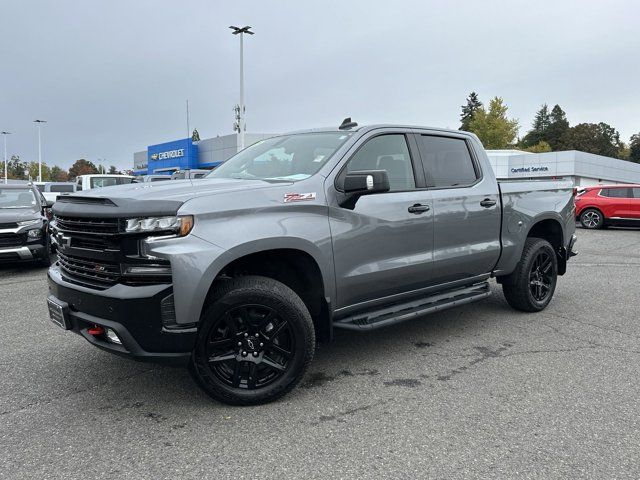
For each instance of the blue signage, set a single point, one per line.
(170, 156)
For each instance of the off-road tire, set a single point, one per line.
(517, 286)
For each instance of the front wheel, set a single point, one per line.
(255, 342)
(531, 286)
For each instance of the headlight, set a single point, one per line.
(181, 225)
(25, 223)
(34, 233)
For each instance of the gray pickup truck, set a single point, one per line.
(239, 274)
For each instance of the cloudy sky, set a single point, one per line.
(112, 77)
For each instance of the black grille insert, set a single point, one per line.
(88, 272)
(12, 239)
(92, 226)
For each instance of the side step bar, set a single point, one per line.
(405, 311)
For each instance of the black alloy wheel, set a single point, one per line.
(250, 346)
(255, 342)
(540, 276)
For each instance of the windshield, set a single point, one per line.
(286, 158)
(17, 198)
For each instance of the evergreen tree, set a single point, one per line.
(558, 125)
(468, 111)
(492, 127)
(539, 128)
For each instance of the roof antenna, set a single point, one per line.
(347, 124)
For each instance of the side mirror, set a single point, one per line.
(50, 203)
(363, 182)
(366, 182)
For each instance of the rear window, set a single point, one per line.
(61, 188)
(160, 179)
(100, 182)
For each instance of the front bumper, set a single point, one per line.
(26, 252)
(134, 313)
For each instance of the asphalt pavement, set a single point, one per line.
(479, 391)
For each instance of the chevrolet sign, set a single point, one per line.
(170, 154)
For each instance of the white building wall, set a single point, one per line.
(582, 168)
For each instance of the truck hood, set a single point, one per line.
(154, 198)
(14, 215)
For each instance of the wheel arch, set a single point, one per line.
(550, 229)
(293, 266)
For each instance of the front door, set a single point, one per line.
(383, 246)
(466, 209)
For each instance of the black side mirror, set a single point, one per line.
(366, 182)
(363, 182)
(50, 203)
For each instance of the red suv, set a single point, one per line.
(597, 207)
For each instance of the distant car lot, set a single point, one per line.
(474, 392)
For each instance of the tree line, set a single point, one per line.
(20, 170)
(550, 131)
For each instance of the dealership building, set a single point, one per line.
(165, 158)
(582, 169)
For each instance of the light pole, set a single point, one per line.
(240, 124)
(39, 122)
(4, 134)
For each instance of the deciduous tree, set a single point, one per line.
(493, 127)
(82, 167)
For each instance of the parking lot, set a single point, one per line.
(474, 392)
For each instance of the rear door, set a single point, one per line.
(466, 208)
(634, 203)
(383, 246)
(615, 202)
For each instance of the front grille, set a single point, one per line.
(94, 253)
(88, 272)
(12, 239)
(90, 226)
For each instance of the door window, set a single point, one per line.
(390, 153)
(447, 161)
(636, 192)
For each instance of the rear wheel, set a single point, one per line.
(531, 286)
(255, 342)
(592, 219)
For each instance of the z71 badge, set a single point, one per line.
(299, 197)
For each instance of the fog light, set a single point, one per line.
(112, 336)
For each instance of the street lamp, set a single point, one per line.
(39, 122)
(240, 125)
(4, 134)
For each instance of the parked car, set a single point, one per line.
(152, 178)
(604, 205)
(24, 220)
(239, 274)
(189, 173)
(88, 182)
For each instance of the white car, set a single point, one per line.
(88, 182)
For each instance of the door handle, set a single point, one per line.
(418, 208)
(487, 202)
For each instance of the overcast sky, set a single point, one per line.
(112, 76)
